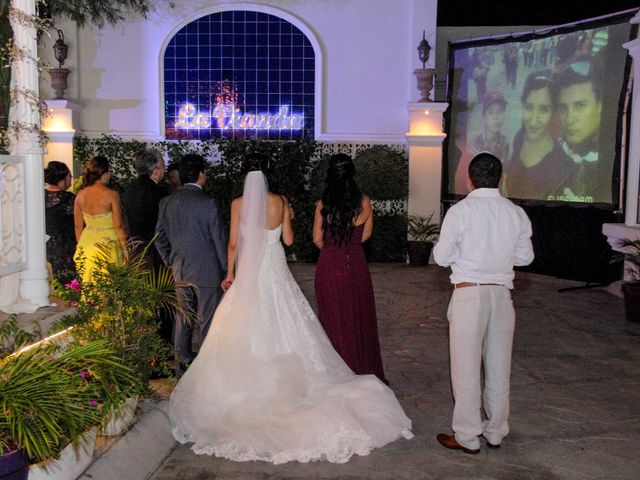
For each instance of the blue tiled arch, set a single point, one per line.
(263, 62)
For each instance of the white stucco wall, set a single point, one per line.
(367, 51)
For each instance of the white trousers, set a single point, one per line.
(482, 321)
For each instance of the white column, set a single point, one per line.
(425, 138)
(34, 287)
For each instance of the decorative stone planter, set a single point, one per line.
(117, 422)
(71, 462)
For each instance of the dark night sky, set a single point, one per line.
(522, 12)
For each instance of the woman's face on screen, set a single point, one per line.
(537, 113)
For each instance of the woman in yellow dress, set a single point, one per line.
(98, 219)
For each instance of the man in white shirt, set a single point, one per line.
(482, 238)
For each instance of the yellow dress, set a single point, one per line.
(98, 239)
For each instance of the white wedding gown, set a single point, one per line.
(268, 385)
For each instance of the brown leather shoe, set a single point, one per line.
(450, 442)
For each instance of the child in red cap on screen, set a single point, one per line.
(491, 139)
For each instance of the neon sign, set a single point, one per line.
(227, 116)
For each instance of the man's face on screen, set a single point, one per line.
(579, 112)
(494, 117)
(537, 113)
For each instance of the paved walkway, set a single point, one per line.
(575, 390)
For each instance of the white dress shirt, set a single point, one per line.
(483, 237)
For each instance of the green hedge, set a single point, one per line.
(299, 170)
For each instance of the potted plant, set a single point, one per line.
(51, 394)
(631, 289)
(422, 232)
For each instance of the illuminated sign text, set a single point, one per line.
(227, 116)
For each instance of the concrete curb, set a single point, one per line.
(138, 453)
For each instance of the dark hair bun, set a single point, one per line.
(55, 172)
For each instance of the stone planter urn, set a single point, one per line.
(59, 81)
(425, 82)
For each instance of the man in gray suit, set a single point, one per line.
(191, 239)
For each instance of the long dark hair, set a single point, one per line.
(341, 198)
(96, 167)
(256, 161)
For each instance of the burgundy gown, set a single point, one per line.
(346, 305)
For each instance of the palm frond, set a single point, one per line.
(45, 402)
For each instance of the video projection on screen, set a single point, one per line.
(547, 107)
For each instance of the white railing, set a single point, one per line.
(12, 215)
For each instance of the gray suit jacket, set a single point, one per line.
(191, 238)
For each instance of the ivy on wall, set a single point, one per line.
(6, 34)
(299, 168)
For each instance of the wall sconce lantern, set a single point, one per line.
(59, 75)
(60, 49)
(424, 49)
(424, 75)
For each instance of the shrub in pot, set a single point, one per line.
(422, 233)
(631, 289)
(120, 305)
(52, 394)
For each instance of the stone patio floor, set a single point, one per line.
(575, 389)
(575, 394)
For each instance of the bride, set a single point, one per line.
(267, 384)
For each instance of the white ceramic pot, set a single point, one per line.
(118, 421)
(71, 462)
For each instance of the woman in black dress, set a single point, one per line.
(59, 218)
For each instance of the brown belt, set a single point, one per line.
(473, 284)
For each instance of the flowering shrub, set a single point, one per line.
(70, 292)
(120, 305)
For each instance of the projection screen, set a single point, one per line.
(548, 105)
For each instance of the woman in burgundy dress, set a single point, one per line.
(346, 306)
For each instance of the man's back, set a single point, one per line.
(483, 237)
(191, 237)
(141, 200)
